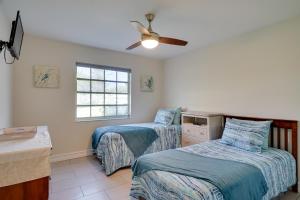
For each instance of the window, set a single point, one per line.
(102, 92)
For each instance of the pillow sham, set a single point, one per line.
(164, 116)
(177, 116)
(243, 136)
(264, 125)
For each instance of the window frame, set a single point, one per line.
(104, 67)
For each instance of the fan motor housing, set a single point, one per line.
(152, 36)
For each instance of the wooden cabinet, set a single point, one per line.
(199, 127)
(37, 189)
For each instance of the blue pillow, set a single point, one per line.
(244, 136)
(177, 116)
(164, 116)
(264, 125)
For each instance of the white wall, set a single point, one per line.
(255, 74)
(5, 76)
(56, 107)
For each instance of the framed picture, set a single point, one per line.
(147, 83)
(45, 76)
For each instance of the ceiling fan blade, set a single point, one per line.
(134, 45)
(140, 27)
(173, 41)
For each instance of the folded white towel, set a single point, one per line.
(17, 133)
(19, 130)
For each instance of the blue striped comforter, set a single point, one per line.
(277, 166)
(115, 154)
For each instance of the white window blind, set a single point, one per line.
(103, 92)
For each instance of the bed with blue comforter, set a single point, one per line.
(275, 170)
(116, 149)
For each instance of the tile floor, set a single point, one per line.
(84, 179)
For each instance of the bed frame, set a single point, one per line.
(283, 136)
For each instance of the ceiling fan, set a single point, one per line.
(151, 39)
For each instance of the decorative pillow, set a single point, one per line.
(264, 125)
(164, 116)
(177, 116)
(243, 136)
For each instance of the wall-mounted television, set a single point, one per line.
(16, 37)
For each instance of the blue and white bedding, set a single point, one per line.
(115, 154)
(277, 166)
(138, 139)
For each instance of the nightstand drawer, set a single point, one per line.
(194, 131)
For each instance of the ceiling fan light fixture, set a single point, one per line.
(150, 41)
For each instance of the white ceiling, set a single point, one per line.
(105, 23)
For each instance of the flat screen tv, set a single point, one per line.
(16, 37)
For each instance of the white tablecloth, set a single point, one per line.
(25, 159)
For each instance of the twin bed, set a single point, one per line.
(276, 164)
(174, 173)
(115, 154)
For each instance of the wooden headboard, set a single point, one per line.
(283, 136)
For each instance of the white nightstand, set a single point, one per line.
(199, 127)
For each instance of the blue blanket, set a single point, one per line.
(138, 139)
(235, 180)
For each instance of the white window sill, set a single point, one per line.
(89, 119)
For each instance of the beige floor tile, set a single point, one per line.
(112, 181)
(61, 185)
(97, 196)
(62, 176)
(61, 169)
(118, 193)
(122, 172)
(82, 168)
(69, 194)
(127, 176)
(95, 187)
(103, 183)
(85, 178)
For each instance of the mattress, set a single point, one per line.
(114, 153)
(277, 166)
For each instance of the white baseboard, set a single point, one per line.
(71, 155)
